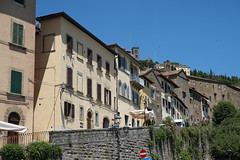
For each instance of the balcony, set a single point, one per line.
(136, 82)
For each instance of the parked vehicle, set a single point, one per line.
(180, 123)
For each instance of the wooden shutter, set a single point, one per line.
(69, 43)
(105, 96)
(99, 94)
(89, 87)
(110, 98)
(65, 108)
(73, 111)
(69, 77)
(107, 68)
(16, 82)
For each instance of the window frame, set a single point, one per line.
(12, 33)
(99, 62)
(79, 74)
(99, 92)
(107, 67)
(80, 55)
(69, 110)
(43, 46)
(69, 44)
(19, 4)
(12, 88)
(107, 97)
(81, 113)
(89, 56)
(89, 87)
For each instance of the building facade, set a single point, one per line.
(129, 84)
(75, 77)
(17, 49)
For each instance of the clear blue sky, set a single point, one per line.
(202, 34)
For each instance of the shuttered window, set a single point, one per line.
(99, 94)
(107, 68)
(69, 43)
(89, 87)
(17, 34)
(16, 82)
(69, 110)
(69, 77)
(107, 97)
(20, 2)
(99, 62)
(89, 56)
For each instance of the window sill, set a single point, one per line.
(99, 69)
(49, 51)
(15, 95)
(17, 46)
(89, 64)
(89, 96)
(80, 59)
(108, 75)
(80, 93)
(69, 87)
(69, 51)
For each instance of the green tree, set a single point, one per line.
(225, 140)
(223, 110)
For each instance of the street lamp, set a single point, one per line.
(229, 153)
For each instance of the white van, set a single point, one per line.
(180, 123)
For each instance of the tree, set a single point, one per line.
(223, 110)
(225, 140)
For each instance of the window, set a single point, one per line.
(69, 43)
(138, 123)
(89, 87)
(18, 34)
(69, 109)
(184, 96)
(89, 56)
(49, 43)
(215, 97)
(81, 113)
(69, 77)
(135, 98)
(99, 94)
(16, 82)
(80, 82)
(96, 119)
(124, 90)
(107, 97)
(152, 94)
(99, 62)
(79, 50)
(19, 2)
(107, 68)
(133, 122)
(126, 120)
(119, 87)
(122, 62)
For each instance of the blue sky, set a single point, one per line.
(202, 34)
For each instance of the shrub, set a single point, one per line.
(12, 152)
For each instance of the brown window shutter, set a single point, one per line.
(65, 109)
(110, 98)
(69, 77)
(73, 111)
(99, 96)
(105, 94)
(89, 87)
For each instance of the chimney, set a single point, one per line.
(135, 52)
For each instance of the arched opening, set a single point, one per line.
(13, 118)
(105, 122)
(89, 120)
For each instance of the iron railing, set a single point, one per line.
(24, 139)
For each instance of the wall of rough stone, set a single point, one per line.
(104, 144)
(112, 144)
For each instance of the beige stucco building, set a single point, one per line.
(75, 77)
(129, 84)
(17, 45)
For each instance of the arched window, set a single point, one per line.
(105, 122)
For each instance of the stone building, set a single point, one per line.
(215, 91)
(75, 75)
(17, 49)
(182, 92)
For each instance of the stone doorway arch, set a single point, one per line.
(13, 118)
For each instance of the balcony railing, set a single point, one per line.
(24, 139)
(137, 81)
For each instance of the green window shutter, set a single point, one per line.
(18, 34)
(14, 36)
(16, 82)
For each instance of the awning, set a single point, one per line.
(143, 114)
(4, 126)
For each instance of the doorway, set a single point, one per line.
(13, 118)
(89, 120)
